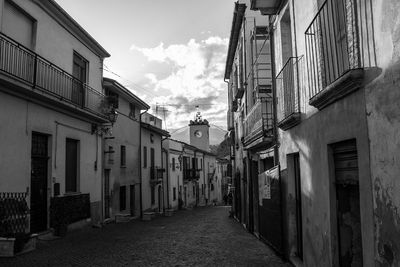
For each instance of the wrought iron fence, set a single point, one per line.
(13, 213)
(25, 65)
(340, 38)
(287, 87)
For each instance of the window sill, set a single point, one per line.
(348, 83)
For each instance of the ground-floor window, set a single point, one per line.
(174, 193)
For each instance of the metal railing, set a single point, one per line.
(156, 174)
(340, 38)
(27, 66)
(190, 174)
(259, 119)
(13, 213)
(287, 87)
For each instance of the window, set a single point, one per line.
(132, 111)
(123, 156)
(145, 157)
(112, 98)
(174, 193)
(202, 189)
(173, 164)
(194, 190)
(71, 165)
(201, 164)
(152, 157)
(212, 187)
(153, 197)
(122, 198)
(18, 24)
(79, 72)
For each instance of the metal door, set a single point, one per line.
(39, 166)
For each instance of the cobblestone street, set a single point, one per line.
(199, 237)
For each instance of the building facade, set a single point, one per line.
(152, 172)
(122, 153)
(334, 83)
(52, 102)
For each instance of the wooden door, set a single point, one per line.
(132, 199)
(39, 166)
(71, 166)
(107, 196)
(348, 204)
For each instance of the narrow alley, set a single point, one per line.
(198, 237)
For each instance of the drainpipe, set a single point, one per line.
(274, 100)
(167, 172)
(140, 162)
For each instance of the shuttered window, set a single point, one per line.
(17, 24)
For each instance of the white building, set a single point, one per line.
(122, 153)
(153, 173)
(51, 104)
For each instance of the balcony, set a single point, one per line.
(340, 50)
(258, 124)
(38, 78)
(287, 83)
(191, 174)
(234, 105)
(156, 175)
(267, 7)
(238, 92)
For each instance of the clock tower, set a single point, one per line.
(199, 133)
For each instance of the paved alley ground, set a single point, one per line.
(199, 237)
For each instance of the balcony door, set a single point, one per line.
(79, 71)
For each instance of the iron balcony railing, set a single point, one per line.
(191, 174)
(259, 120)
(156, 174)
(287, 87)
(27, 66)
(340, 38)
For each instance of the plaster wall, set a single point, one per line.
(383, 115)
(19, 119)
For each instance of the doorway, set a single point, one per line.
(132, 199)
(349, 240)
(107, 196)
(159, 199)
(39, 169)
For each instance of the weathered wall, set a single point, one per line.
(383, 110)
(343, 120)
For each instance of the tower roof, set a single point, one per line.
(198, 120)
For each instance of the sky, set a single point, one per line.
(170, 53)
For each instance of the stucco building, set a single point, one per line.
(122, 153)
(52, 102)
(335, 84)
(152, 171)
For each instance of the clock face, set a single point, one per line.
(198, 133)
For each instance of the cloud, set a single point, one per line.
(195, 78)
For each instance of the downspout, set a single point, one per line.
(140, 162)
(274, 100)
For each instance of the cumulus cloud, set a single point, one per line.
(195, 78)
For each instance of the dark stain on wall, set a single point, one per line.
(387, 219)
